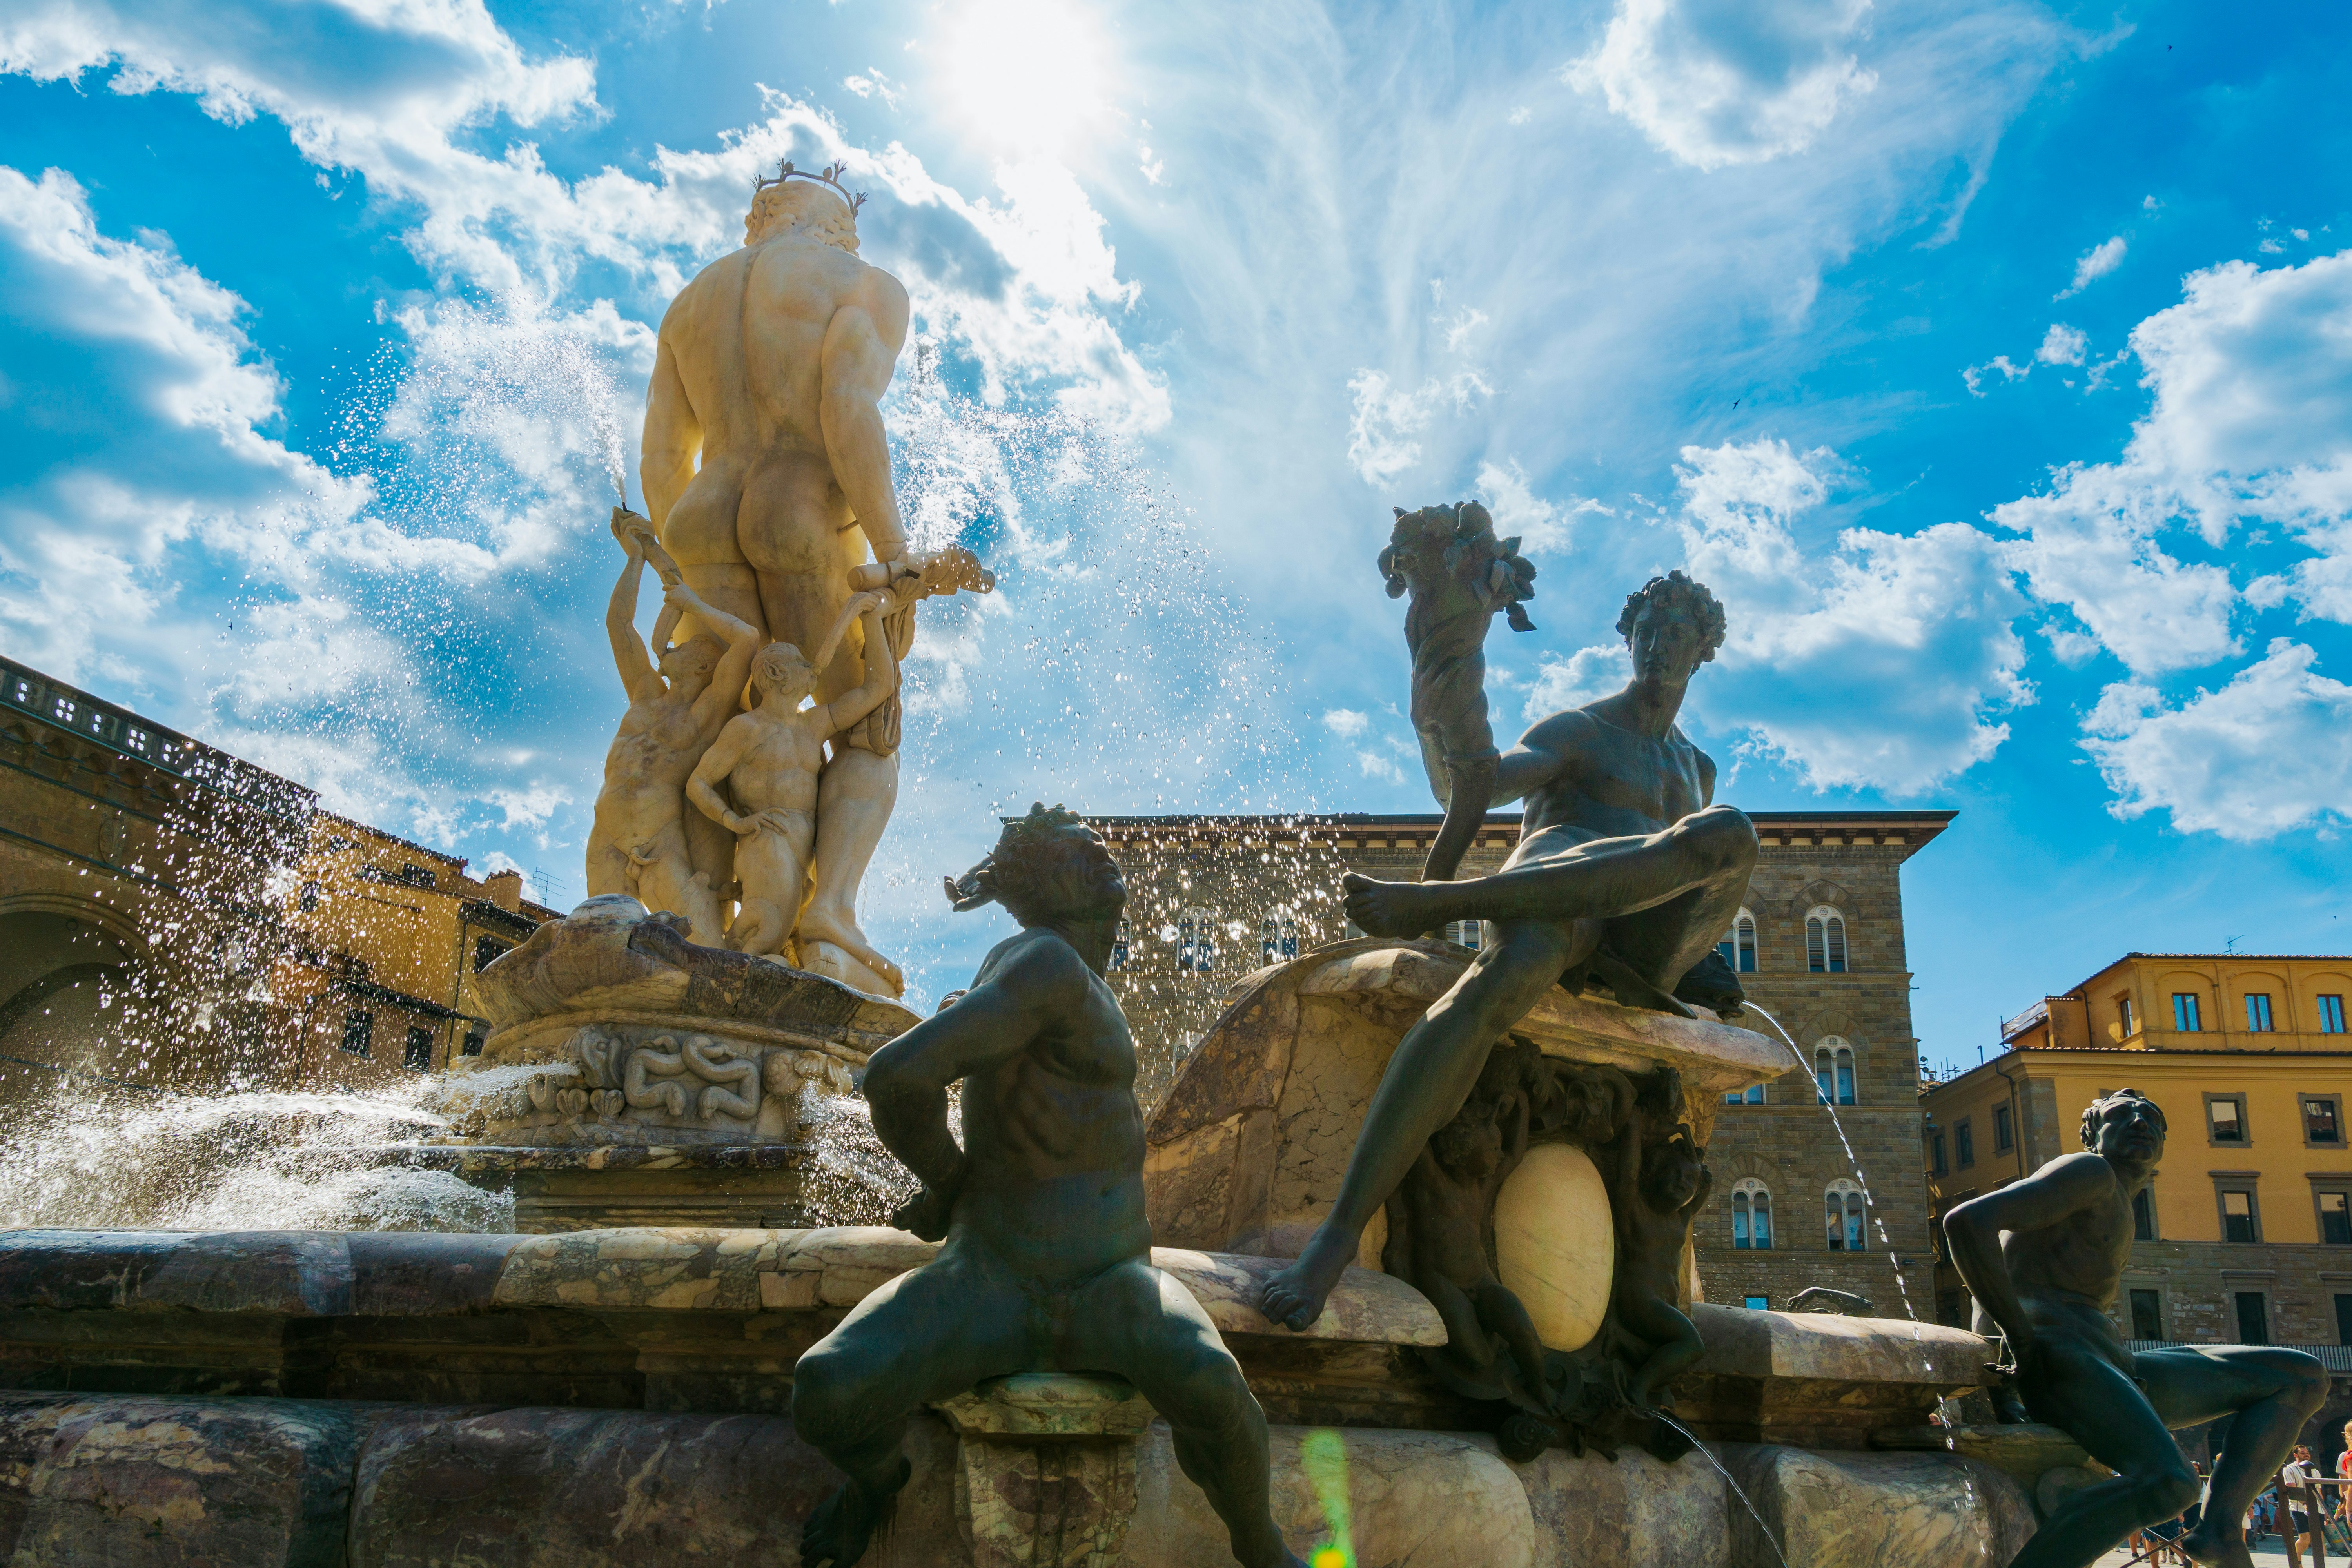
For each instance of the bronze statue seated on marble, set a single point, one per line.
(1625, 875)
(1046, 1266)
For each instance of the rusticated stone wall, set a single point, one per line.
(1790, 1142)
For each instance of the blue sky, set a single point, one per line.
(1993, 362)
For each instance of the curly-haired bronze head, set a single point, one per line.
(1675, 593)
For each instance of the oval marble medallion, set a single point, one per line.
(1554, 1248)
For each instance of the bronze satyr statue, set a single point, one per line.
(2042, 1257)
(1623, 869)
(1047, 1262)
(1459, 575)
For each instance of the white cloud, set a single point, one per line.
(1346, 722)
(2093, 265)
(1716, 84)
(1539, 525)
(872, 83)
(2062, 345)
(1585, 676)
(1884, 663)
(1386, 419)
(2265, 754)
(1974, 376)
(2251, 419)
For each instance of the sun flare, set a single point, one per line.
(1025, 74)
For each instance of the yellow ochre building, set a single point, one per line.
(2245, 1238)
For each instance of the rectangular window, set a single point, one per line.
(1965, 1137)
(419, 1050)
(2146, 1315)
(2331, 1014)
(487, 950)
(2225, 1118)
(2144, 1215)
(2335, 1218)
(2184, 1012)
(1762, 1303)
(2238, 1222)
(359, 1032)
(2001, 1139)
(2343, 1319)
(2254, 1319)
(1950, 1309)
(2124, 1012)
(475, 1041)
(2258, 1012)
(1936, 1152)
(2323, 1120)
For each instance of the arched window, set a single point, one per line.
(1843, 1210)
(1738, 944)
(1269, 941)
(1751, 1214)
(1826, 940)
(1196, 942)
(1119, 947)
(1833, 1070)
(1755, 1096)
(1289, 938)
(1471, 934)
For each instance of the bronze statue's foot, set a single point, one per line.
(2218, 1543)
(836, 1533)
(1387, 909)
(1294, 1296)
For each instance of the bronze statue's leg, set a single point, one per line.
(2073, 1386)
(1435, 1066)
(1661, 942)
(2271, 1393)
(924, 1336)
(1471, 786)
(1145, 1326)
(1713, 850)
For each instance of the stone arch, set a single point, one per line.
(1820, 891)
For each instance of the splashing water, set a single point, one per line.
(1946, 1408)
(1729, 1479)
(90, 1158)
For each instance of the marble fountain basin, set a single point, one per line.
(621, 1397)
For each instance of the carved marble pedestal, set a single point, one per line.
(1045, 1469)
(632, 1076)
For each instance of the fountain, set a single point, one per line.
(1509, 1364)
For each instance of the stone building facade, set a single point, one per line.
(174, 917)
(2246, 1234)
(1212, 898)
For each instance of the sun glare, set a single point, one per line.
(1023, 74)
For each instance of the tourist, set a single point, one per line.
(2296, 1477)
(2344, 1476)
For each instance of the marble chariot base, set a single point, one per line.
(621, 1397)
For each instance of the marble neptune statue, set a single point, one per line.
(767, 481)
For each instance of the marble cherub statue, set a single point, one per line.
(1459, 575)
(1047, 1261)
(767, 471)
(852, 808)
(1623, 869)
(2043, 1257)
(771, 759)
(637, 843)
